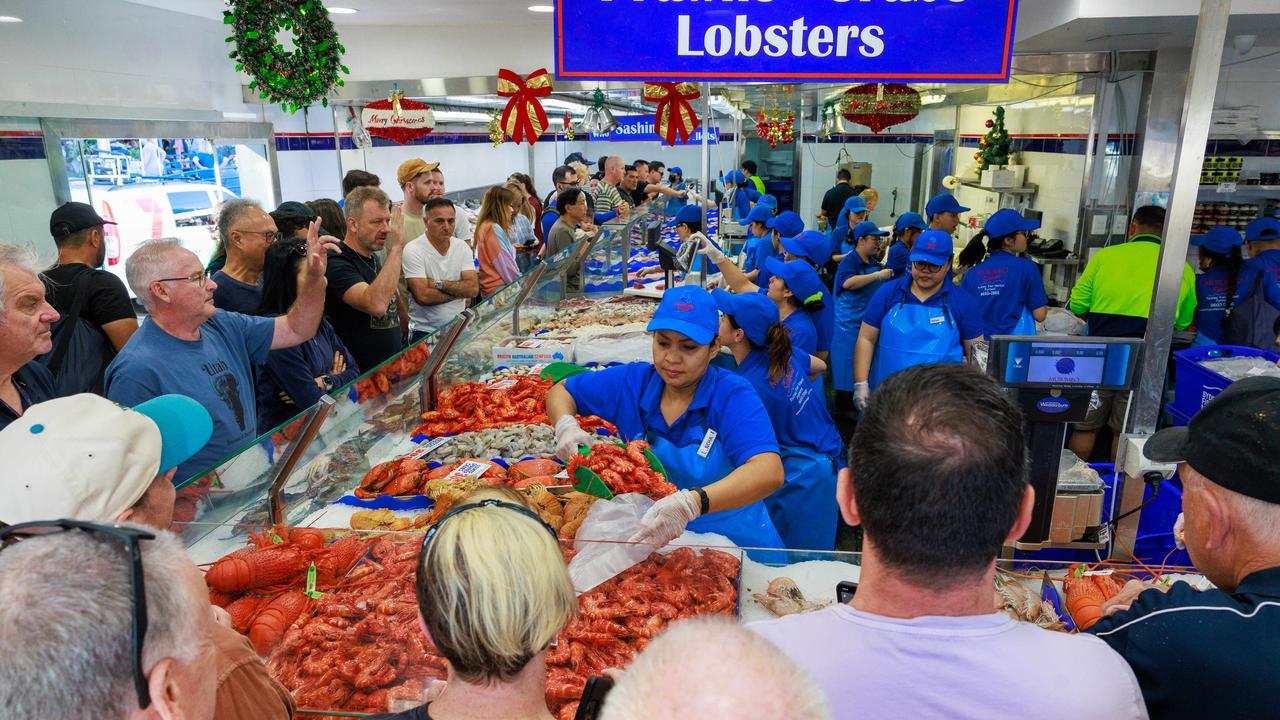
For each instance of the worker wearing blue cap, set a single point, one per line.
(706, 424)
(1217, 284)
(857, 278)
(853, 212)
(688, 227)
(742, 195)
(1262, 270)
(918, 319)
(804, 510)
(770, 202)
(783, 225)
(943, 212)
(759, 243)
(797, 291)
(1008, 287)
(906, 229)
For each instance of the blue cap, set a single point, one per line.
(1265, 229)
(855, 203)
(1007, 222)
(809, 244)
(943, 202)
(909, 220)
(801, 279)
(759, 213)
(690, 311)
(866, 227)
(787, 224)
(676, 169)
(686, 214)
(933, 246)
(754, 312)
(1220, 239)
(768, 201)
(185, 426)
(735, 178)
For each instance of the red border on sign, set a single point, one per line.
(1002, 75)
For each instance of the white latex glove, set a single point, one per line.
(569, 435)
(667, 518)
(1179, 530)
(861, 394)
(714, 254)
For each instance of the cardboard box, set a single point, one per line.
(1009, 176)
(1073, 514)
(532, 351)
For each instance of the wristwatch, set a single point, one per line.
(704, 503)
(439, 284)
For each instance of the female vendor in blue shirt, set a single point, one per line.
(785, 224)
(1218, 283)
(840, 239)
(759, 244)
(706, 424)
(858, 277)
(804, 509)
(1008, 288)
(906, 229)
(918, 319)
(743, 196)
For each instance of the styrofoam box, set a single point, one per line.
(532, 351)
(1006, 177)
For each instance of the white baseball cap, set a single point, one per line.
(84, 457)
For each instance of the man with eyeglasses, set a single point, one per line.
(102, 463)
(103, 621)
(246, 231)
(188, 346)
(918, 319)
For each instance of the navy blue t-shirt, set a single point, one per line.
(234, 296)
(293, 371)
(35, 384)
(1005, 285)
(1211, 301)
(216, 370)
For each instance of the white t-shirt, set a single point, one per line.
(977, 666)
(421, 260)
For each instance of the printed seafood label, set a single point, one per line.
(529, 344)
(707, 441)
(470, 468)
(502, 384)
(429, 447)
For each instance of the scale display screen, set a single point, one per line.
(1066, 362)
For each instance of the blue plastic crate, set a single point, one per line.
(1196, 385)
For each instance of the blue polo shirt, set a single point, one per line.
(1211, 301)
(1267, 261)
(852, 266)
(898, 259)
(762, 251)
(837, 237)
(742, 199)
(1195, 651)
(804, 336)
(1004, 285)
(630, 396)
(799, 415)
(960, 304)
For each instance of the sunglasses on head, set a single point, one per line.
(127, 536)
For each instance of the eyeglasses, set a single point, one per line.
(431, 532)
(129, 537)
(926, 267)
(270, 236)
(197, 278)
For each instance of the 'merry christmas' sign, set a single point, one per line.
(786, 40)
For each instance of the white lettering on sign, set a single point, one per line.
(798, 39)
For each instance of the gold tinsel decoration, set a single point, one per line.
(496, 135)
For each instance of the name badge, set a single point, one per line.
(707, 441)
(937, 320)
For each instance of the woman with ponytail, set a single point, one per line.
(804, 510)
(1218, 281)
(1008, 288)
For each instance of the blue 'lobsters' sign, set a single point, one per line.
(785, 40)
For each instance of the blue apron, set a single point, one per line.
(1026, 324)
(915, 335)
(804, 509)
(747, 526)
(850, 305)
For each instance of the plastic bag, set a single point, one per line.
(1061, 321)
(614, 522)
(631, 347)
(1075, 475)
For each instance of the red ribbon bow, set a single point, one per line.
(675, 116)
(524, 118)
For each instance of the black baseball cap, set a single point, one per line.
(73, 217)
(1232, 440)
(578, 157)
(296, 209)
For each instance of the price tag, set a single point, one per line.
(1226, 187)
(502, 384)
(429, 447)
(470, 468)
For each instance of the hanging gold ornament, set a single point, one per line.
(396, 96)
(496, 135)
(568, 128)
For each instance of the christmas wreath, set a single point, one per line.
(293, 78)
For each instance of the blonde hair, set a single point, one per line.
(581, 172)
(493, 588)
(522, 197)
(496, 208)
(682, 674)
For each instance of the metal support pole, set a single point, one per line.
(427, 385)
(292, 454)
(706, 170)
(1197, 113)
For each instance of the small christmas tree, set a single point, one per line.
(994, 146)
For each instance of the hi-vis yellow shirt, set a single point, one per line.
(1116, 286)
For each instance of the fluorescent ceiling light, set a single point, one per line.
(341, 11)
(541, 8)
(458, 116)
(9, 19)
(932, 99)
